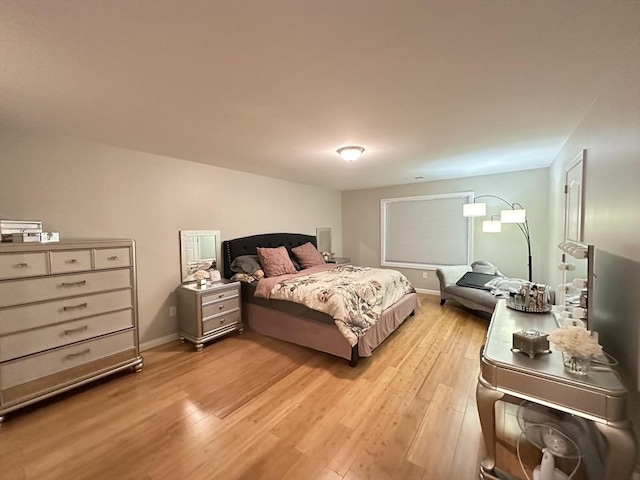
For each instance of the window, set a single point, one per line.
(425, 231)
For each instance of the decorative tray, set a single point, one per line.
(515, 306)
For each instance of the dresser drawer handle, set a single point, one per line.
(113, 257)
(221, 295)
(76, 330)
(222, 321)
(21, 265)
(81, 283)
(71, 356)
(221, 307)
(75, 307)
(72, 260)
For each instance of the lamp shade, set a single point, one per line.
(513, 216)
(491, 226)
(350, 153)
(474, 209)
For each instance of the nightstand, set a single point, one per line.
(208, 312)
(339, 260)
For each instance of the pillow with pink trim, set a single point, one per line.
(308, 255)
(275, 261)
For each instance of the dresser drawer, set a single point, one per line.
(45, 338)
(31, 368)
(70, 261)
(112, 258)
(15, 319)
(49, 288)
(219, 307)
(19, 265)
(220, 321)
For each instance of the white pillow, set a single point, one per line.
(484, 267)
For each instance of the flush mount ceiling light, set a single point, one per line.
(350, 153)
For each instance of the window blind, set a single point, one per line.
(425, 231)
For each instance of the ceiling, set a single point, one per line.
(431, 89)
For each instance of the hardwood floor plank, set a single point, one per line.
(469, 441)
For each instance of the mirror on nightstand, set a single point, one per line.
(199, 250)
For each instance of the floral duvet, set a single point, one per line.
(354, 296)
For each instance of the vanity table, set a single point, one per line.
(598, 396)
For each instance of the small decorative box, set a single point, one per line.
(530, 342)
(46, 237)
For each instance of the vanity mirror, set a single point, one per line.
(199, 250)
(576, 290)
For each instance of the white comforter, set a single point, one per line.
(354, 296)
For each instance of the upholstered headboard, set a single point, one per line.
(247, 246)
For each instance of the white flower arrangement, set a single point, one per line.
(575, 341)
(200, 274)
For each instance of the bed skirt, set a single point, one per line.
(324, 337)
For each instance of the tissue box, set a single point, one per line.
(530, 342)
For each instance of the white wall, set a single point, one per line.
(508, 249)
(610, 133)
(87, 190)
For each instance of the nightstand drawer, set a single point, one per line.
(19, 265)
(71, 261)
(33, 341)
(219, 295)
(220, 307)
(112, 258)
(214, 323)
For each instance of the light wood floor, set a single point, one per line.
(407, 412)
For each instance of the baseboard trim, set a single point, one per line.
(158, 341)
(428, 292)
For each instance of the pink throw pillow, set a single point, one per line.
(275, 261)
(308, 255)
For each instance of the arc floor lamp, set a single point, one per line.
(517, 214)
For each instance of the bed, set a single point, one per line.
(299, 324)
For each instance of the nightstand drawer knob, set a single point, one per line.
(222, 321)
(221, 295)
(221, 307)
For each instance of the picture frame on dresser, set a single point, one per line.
(68, 316)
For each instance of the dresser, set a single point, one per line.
(208, 312)
(68, 315)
